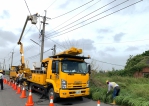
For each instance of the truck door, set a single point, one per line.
(55, 73)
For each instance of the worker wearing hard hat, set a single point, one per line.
(21, 78)
(1, 79)
(115, 86)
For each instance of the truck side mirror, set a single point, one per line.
(89, 69)
(54, 67)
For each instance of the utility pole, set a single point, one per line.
(43, 34)
(0, 65)
(9, 67)
(12, 57)
(54, 50)
(4, 64)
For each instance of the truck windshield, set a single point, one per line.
(74, 67)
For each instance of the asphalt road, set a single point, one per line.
(8, 97)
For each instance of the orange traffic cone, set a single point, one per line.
(98, 103)
(9, 83)
(18, 89)
(15, 86)
(12, 84)
(23, 95)
(30, 100)
(5, 81)
(51, 101)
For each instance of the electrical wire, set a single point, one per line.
(96, 19)
(30, 14)
(108, 63)
(57, 43)
(72, 10)
(114, 12)
(27, 7)
(38, 54)
(52, 4)
(17, 45)
(90, 17)
(76, 14)
(63, 14)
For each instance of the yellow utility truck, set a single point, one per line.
(12, 72)
(64, 75)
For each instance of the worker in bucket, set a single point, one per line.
(116, 89)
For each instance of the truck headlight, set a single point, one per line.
(88, 83)
(63, 84)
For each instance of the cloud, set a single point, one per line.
(131, 48)
(104, 54)
(5, 14)
(101, 32)
(6, 37)
(118, 37)
(65, 4)
(106, 30)
(110, 49)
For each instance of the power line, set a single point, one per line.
(65, 13)
(108, 63)
(124, 41)
(87, 44)
(52, 3)
(38, 54)
(116, 11)
(57, 43)
(96, 19)
(82, 5)
(76, 15)
(27, 7)
(72, 10)
(27, 31)
(90, 17)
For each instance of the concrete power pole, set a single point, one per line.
(12, 58)
(54, 50)
(43, 34)
(4, 65)
(0, 65)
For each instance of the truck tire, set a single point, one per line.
(55, 99)
(31, 86)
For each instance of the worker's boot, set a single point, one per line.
(113, 103)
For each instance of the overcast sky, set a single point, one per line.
(104, 29)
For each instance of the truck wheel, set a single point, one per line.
(31, 86)
(51, 91)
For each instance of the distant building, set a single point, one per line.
(143, 73)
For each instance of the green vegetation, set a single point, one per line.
(134, 91)
(7, 72)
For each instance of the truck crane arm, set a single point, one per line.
(33, 19)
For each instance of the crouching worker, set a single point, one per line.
(116, 90)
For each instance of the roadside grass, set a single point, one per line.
(134, 91)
